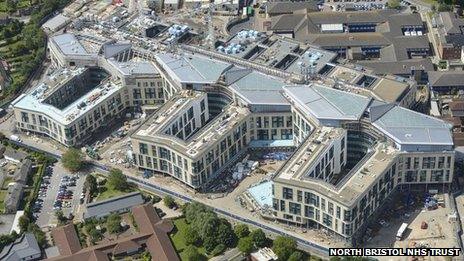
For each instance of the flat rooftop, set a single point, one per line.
(35, 100)
(135, 66)
(202, 139)
(277, 52)
(192, 68)
(352, 186)
(326, 103)
(389, 89)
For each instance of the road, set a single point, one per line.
(302, 243)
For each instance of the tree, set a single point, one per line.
(219, 249)
(191, 236)
(442, 7)
(38, 233)
(91, 185)
(245, 245)
(394, 4)
(11, 5)
(117, 180)
(209, 243)
(169, 201)
(296, 256)
(241, 230)
(73, 159)
(23, 222)
(113, 223)
(225, 234)
(192, 210)
(283, 247)
(191, 254)
(259, 238)
(60, 217)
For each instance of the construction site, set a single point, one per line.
(430, 223)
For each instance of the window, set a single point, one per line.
(286, 134)
(437, 175)
(289, 121)
(137, 93)
(428, 163)
(423, 176)
(327, 220)
(299, 196)
(277, 121)
(294, 208)
(309, 212)
(143, 148)
(287, 193)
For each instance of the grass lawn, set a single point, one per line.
(178, 238)
(107, 192)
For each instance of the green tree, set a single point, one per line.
(117, 180)
(91, 185)
(245, 245)
(225, 234)
(191, 236)
(169, 201)
(73, 159)
(259, 238)
(219, 249)
(209, 243)
(60, 217)
(38, 233)
(192, 210)
(113, 223)
(23, 222)
(11, 5)
(191, 254)
(283, 247)
(241, 230)
(296, 256)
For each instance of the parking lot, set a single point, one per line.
(60, 190)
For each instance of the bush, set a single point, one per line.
(155, 199)
(169, 201)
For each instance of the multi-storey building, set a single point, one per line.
(73, 103)
(179, 140)
(352, 155)
(70, 105)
